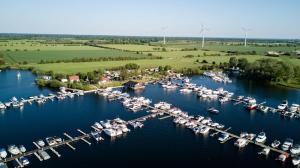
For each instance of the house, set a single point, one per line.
(74, 78)
(133, 85)
(272, 53)
(104, 79)
(64, 80)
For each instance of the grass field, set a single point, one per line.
(136, 47)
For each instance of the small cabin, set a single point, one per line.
(74, 78)
(133, 85)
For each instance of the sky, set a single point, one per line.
(223, 18)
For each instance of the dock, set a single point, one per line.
(55, 152)
(84, 140)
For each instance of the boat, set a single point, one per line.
(96, 136)
(282, 157)
(261, 137)
(213, 110)
(283, 106)
(110, 132)
(3, 153)
(41, 143)
(204, 130)
(265, 151)
(223, 137)
(44, 155)
(105, 124)
(57, 139)
(241, 142)
(2, 106)
(13, 149)
(294, 108)
(18, 75)
(275, 144)
(295, 150)
(263, 108)
(24, 161)
(98, 125)
(51, 141)
(22, 148)
(251, 104)
(287, 144)
(296, 160)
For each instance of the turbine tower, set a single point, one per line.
(245, 30)
(164, 32)
(202, 31)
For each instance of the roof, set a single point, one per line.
(130, 83)
(75, 77)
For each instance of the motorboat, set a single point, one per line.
(22, 148)
(241, 142)
(223, 137)
(295, 150)
(261, 137)
(283, 105)
(3, 153)
(51, 141)
(294, 108)
(44, 155)
(213, 110)
(265, 151)
(96, 136)
(3, 165)
(106, 124)
(24, 161)
(204, 130)
(282, 157)
(110, 132)
(251, 104)
(275, 144)
(18, 75)
(2, 106)
(13, 149)
(296, 160)
(57, 139)
(98, 125)
(287, 144)
(41, 143)
(263, 108)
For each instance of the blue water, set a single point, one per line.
(160, 143)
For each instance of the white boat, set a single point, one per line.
(263, 108)
(223, 137)
(283, 105)
(282, 157)
(98, 125)
(261, 137)
(96, 136)
(18, 75)
(3, 165)
(185, 90)
(13, 149)
(241, 142)
(105, 124)
(24, 161)
(265, 151)
(287, 144)
(275, 144)
(41, 143)
(295, 150)
(110, 132)
(3, 153)
(44, 155)
(296, 160)
(51, 141)
(22, 148)
(2, 106)
(204, 130)
(294, 108)
(213, 110)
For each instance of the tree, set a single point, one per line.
(242, 63)
(233, 62)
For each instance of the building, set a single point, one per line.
(272, 54)
(64, 80)
(45, 77)
(104, 79)
(133, 85)
(74, 78)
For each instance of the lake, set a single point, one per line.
(160, 142)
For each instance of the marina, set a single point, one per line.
(137, 124)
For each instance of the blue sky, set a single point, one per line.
(224, 18)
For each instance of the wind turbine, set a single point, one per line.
(245, 30)
(202, 31)
(164, 32)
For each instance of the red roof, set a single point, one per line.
(74, 78)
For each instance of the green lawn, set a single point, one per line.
(136, 47)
